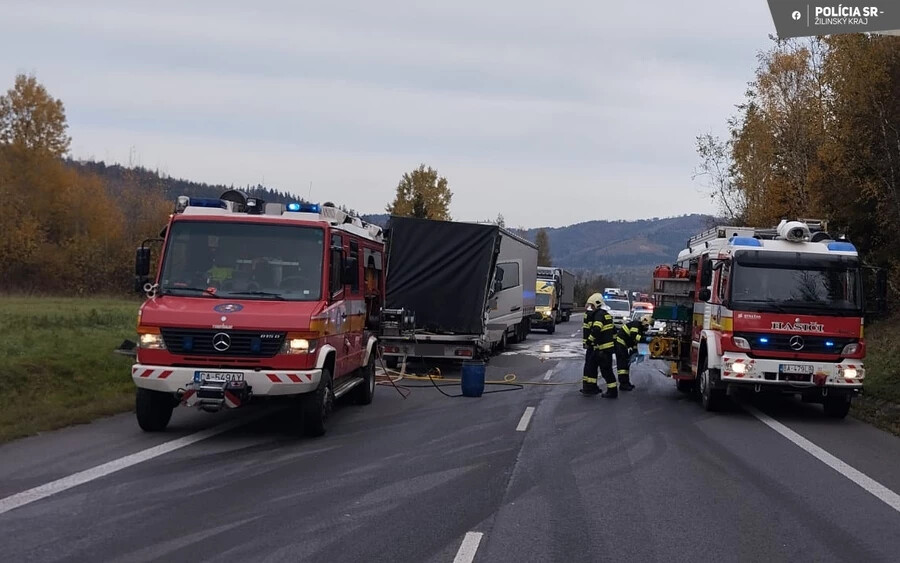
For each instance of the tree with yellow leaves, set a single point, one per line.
(422, 194)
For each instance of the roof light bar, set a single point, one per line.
(303, 207)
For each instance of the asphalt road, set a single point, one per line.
(540, 474)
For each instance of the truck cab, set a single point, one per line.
(546, 310)
(254, 300)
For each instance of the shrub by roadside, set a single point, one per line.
(880, 403)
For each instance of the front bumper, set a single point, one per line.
(767, 372)
(263, 383)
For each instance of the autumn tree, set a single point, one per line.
(31, 119)
(543, 243)
(422, 194)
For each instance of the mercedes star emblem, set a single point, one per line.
(796, 343)
(222, 342)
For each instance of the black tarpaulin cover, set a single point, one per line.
(440, 270)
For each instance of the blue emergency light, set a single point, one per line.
(763, 340)
(207, 202)
(829, 344)
(841, 247)
(303, 207)
(745, 241)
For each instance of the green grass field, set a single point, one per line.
(58, 363)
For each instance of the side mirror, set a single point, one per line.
(705, 294)
(498, 285)
(706, 275)
(141, 268)
(499, 274)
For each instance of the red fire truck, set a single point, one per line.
(766, 309)
(254, 299)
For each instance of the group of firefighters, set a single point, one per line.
(601, 341)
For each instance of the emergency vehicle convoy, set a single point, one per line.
(255, 299)
(767, 309)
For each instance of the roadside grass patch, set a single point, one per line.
(59, 367)
(880, 403)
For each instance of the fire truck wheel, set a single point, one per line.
(710, 398)
(154, 409)
(317, 406)
(365, 391)
(836, 407)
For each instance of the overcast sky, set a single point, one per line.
(552, 113)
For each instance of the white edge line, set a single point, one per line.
(43, 491)
(548, 375)
(526, 418)
(469, 547)
(878, 490)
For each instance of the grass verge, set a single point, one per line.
(59, 368)
(880, 403)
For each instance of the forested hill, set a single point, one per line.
(627, 250)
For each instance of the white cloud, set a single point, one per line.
(511, 101)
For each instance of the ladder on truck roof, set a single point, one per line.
(725, 231)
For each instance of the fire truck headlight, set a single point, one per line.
(294, 345)
(741, 343)
(850, 373)
(152, 341)
(739, 367)
(850, 349)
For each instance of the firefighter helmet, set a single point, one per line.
(595, 301)
(646, 321)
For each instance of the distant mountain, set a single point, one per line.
(624, 250)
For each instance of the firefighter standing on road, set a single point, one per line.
(598, 333)
(626, 344)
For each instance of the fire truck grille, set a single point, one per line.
(824, 345)
(222, 342)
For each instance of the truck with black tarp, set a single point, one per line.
(445, 283)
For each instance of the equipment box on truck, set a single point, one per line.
(258, 300)
(444, 284)
(764, 309)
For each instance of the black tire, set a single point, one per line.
(317, 406)
(684, 385)
(154, 409)
(552, 328)
(392, 362)
(517, 334)
(710, 398)
(365, 391)
(836, 407)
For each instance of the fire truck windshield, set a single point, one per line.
(794, 282)
(243, 260)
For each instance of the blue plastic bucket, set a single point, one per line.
(472, 380)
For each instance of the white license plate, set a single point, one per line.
(200, 376)
(796, 369)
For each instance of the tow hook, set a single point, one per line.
(212, 395)
(758, 388)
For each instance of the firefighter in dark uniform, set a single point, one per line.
(626, 344)
(598, 333)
